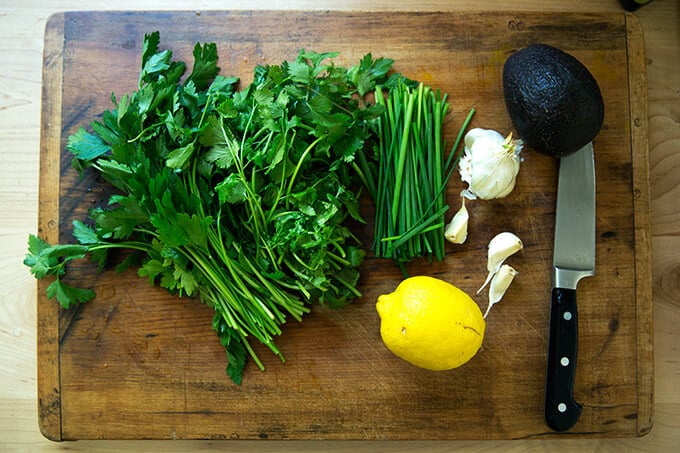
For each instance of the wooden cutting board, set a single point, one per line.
(139, 363)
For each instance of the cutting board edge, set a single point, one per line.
(637, 84)
(49, 385)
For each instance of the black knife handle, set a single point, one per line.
(561, 410)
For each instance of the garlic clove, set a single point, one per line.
(456, 230)
(465, 167)
(473, 134)
(499, 285)
(501, 247)
(486, 282)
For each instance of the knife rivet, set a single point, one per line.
(564, 361)
(567, 315)
(562, 407)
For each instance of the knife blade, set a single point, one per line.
(573, 259)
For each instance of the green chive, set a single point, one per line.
(412, 175)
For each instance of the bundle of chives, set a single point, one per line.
(410, 192)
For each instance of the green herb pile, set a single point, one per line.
(240, 197)
(244, 197)
(409, 189)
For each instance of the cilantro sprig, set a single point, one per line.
(240, 197)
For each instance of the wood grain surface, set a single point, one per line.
(139, 363)
(21, 57)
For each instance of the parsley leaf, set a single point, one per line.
(232, 189)
(49, 260)
(365, 74)
(86, 146)
(84, 234)
(68, 295)
(179, 157)
(150, 46)
(234, 346)
(221, 145)
(205, 65)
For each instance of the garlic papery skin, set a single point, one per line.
(456, 230)
(499, 285)
(501, 247)
(490, 164)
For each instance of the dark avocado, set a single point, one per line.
(553, 100)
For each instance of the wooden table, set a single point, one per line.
(23, 27)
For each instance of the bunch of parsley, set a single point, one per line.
(239, 197)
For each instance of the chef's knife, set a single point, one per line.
(573, 259)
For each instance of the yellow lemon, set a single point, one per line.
(430, 323)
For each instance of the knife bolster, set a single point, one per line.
(569, 278)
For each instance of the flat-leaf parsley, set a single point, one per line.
(239, 197)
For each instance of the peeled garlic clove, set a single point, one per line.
(500, 284)
(456, 230)
(500, 248)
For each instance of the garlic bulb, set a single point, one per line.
(456, 230)
(500, 248)
(490, 164)
(499, 285)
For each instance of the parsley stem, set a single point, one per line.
(306, 152)
(303, 264)
(129, 245)
(337, 258)
(144, 131)
(254, 356)
(229, 293)
(365, 173)
(204, 110)
(349, 286)
(294, 306)
(286, 145)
